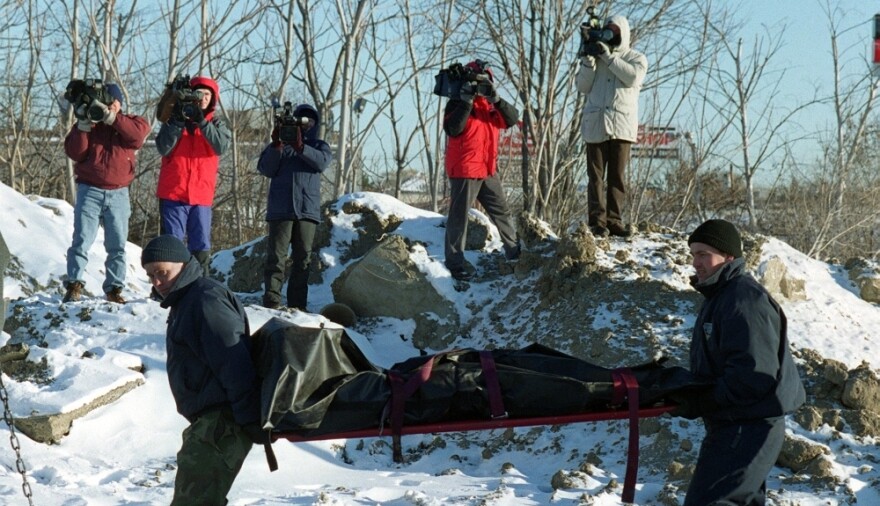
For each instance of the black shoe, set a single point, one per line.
(271, 304)
(619, 229)
(462, 272)
(599, 231)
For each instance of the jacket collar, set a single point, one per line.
(192, 271)
(716, 281)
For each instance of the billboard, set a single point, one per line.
(656, 142)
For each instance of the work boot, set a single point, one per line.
(619, 229)
(599, 231)
(74, 292)
(115, 295)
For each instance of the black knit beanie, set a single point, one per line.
(721, 235)
(165, 248)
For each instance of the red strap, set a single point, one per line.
(493, 388)
(401, 391)
(624, 381)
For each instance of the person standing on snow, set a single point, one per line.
(293, 212)
(611, 76)
(190, 141)
(740, 343)
(210, 371)
(104, 154)
(472, 122)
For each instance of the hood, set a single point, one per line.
(310, 112)
(623, 23)
(207, 82)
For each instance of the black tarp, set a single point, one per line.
(317, 381)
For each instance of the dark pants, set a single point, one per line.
(299, 236)
(213, 451)
(489, 193)
(734, 461)
(606, 170)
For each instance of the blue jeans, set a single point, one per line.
(95, 206)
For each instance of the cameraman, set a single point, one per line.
(294, 166)
(104, 154)
(190, 141)
(612, 80)
(472, 121)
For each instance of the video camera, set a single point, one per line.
(592, 33)
(90, 93)
(288, 124)
(448, 82)
(188, 98)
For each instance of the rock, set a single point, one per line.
(797, 453)
(339, 314)
(51, 428)
(774, 277)
(862, 390)
(405, 293)
(836, 372)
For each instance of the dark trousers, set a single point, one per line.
(606, 188)
(298, 236)
(213, 451)
(490, 194)
(734, 461)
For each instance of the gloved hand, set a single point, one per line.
(602, 50)
(276, 137)
(256, 434)
(693, 403)
(298, 140)
(84, 125)
(588, 61)
(467, 92)
(109, 116)
(198, 115)
(491, 94)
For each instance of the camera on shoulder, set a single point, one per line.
(448, 82)
(288, 124)
(89, 98)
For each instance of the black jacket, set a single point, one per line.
(208, 346)
(740, 342)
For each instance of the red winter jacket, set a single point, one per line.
(105, 157)
(188, 173)
(473, 154)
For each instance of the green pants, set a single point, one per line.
(213, 451)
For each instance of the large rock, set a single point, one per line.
(777, 281)
(866, 275)
(862, 390)
(386, 282)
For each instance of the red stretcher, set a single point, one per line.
(625, 391)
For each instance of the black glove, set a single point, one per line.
(198, 115)
(256, 434)
(467, 92)
(298, 140)
(491, 93)
(693, 403)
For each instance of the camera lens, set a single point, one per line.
(189, 110)
(95, 112)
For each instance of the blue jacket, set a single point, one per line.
(740, 342)
(208, 346)
(295, 186)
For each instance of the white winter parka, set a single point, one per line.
(612, 83)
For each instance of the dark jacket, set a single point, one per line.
(208, 346)
(740, 342)
(191, 153)
(295, 186)
(472, 147)
(106, 156)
